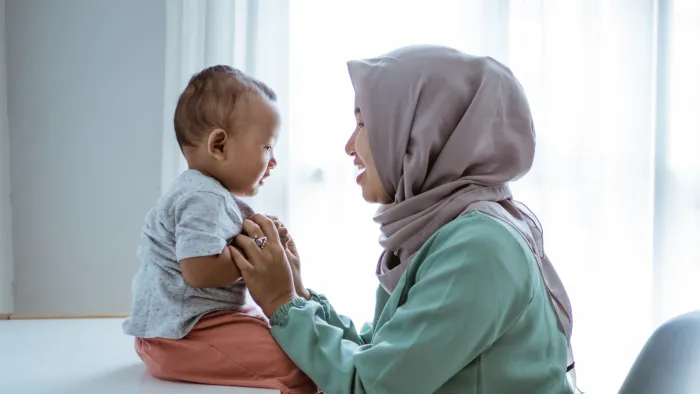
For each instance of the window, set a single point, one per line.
(589, 68)
(616, 180)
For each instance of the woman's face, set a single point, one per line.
(368, 178)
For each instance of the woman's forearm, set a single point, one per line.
(330, 316)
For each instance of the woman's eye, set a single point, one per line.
(360, 124)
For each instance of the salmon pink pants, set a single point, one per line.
(226, 349)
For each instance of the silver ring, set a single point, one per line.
(261, 242)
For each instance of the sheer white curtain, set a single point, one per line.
(613, 85)
(677, 188)
(247, 34)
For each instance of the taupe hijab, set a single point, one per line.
(448, 131)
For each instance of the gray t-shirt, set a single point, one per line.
(197, 217)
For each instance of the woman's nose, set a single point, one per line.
(350, 145)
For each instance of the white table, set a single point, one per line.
(81, 356)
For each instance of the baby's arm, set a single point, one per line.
(210, 271)
(201, 234)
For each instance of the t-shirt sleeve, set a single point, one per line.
(202, 225)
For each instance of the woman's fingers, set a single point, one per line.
(275, 219)
(248, 245)
(238, 258)
(268, 227)
(281, 229)
(284, 235)
(252, 229)
(292, 247)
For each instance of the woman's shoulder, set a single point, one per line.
(478, 245)
(480, 231)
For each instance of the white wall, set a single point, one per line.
(6, 265)
(86, 110)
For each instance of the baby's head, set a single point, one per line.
(226, 124)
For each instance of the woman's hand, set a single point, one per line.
(290, 249)
(266, 270)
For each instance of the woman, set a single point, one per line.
(468, 301)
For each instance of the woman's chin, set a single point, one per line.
(368, 195)
(375, 197)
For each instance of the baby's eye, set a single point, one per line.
(268, 148)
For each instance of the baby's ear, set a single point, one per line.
(216, 142)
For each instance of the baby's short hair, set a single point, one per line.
(209, 100)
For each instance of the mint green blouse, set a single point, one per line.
(470, 315)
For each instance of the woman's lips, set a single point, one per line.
(359, 172)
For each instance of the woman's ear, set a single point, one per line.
(216, 142)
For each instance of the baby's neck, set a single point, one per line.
(210, 169)
(206, 172)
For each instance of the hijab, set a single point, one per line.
(453, 130)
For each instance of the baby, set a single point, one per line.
(190, 314)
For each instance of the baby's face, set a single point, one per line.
(249, 151)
